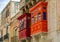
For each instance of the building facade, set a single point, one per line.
(53, 20)
(29, 22)
(14, 28)
(38, 21)
(5, 19)
(8, 12)
(14, 23)
(0, 30)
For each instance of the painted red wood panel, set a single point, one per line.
(24, 33)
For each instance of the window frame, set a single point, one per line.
(33, 20)
(7, 13)
(39, 16)
(22, 23)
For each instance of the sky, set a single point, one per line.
(3, 3)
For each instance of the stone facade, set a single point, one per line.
(53, 21)
(53, 34)
(14, 26)
(6, 16)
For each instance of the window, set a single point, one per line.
(30, 4)
(16, 32)
(36, 18)
(22, 24)
(44, 15)
(7, 13)
(6, 29)
(25, 22)
(33, 20)
(23, 10)
(28, 21)
(27, 7)
(39, 16)
(16, 7)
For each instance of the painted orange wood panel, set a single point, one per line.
(36, 28)
(40, 26)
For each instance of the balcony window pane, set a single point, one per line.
(22, 24)
(44, 15)
(39, 16)
(33, 20)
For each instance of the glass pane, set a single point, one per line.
(39, 15)
(33, 20)
(44, 15)
(23, 24)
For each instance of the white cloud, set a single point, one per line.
(15, 0)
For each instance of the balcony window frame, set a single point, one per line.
(33, 20)
(39, 16)
(22, 24)
(44, 16)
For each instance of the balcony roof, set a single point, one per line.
(23, 15)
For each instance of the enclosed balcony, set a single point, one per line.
(24, 25)
(39, 17)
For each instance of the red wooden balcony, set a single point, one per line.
(24, 26)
